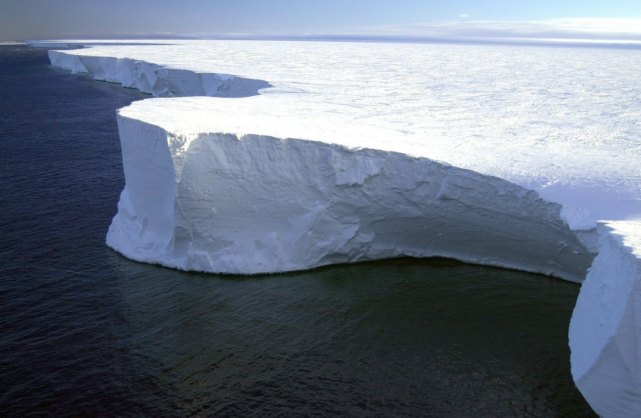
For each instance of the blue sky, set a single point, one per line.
(34, 19)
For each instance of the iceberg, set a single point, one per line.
(319, 153)
(246, 194)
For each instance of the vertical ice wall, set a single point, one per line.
(605, 331)
(158, 81)
(221, 201)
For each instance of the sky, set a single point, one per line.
(64, 19)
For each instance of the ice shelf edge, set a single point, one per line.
(156, 80)
(606, 324)
(611, 258)
(251, 204)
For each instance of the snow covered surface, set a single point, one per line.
(349, 151)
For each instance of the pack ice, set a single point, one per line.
(519, 157)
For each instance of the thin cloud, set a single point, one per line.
(587, 29)
(464, 15)
(624, 33)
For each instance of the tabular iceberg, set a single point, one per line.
(341, 162)
(221, 200)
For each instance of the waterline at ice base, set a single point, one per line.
(317, 153)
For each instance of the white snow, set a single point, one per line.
(355, 151)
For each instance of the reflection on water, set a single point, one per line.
(86, 332)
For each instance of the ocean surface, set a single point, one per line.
(86, 332)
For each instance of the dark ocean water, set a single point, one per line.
(86, 332)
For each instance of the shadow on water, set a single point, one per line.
(408, 337)
(87, 332)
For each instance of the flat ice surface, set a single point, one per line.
(562, 121)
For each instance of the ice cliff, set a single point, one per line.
(241, 199)
(154, 79)
(605, 331)
(351, 156)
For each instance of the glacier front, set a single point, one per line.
(522, 157)
(246, 194)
